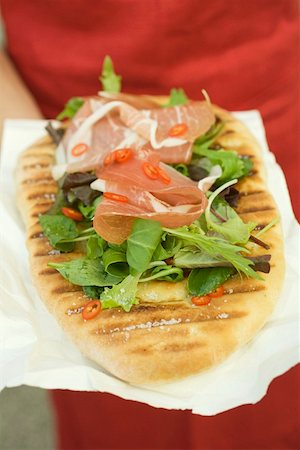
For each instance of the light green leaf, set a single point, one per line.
(111, 82)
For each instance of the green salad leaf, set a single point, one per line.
(203, 281)
(85, 272)
(122, 294)
(115, 263)
(111, 82)
(93, 291)
(141, 244)
(216, 247)
(57, 228)
(177, 97)
(166, 248)
(71, 108)
(164, 273)
(232, 165)
(225, 220)
(88, 211)
(190, 257)
(95, 246)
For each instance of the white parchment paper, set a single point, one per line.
(36, 352)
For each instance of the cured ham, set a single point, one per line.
(171, 199)
(114, 121)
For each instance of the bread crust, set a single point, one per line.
(164, 337)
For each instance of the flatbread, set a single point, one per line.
(164, 337)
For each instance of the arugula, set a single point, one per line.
(203, 281)
(70, 108)
(57, 228)
(217, 248)
(177, 97)
(115, 263)
(141, 244)
(111, 82)
(122, 294)
(85, 272)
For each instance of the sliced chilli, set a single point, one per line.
(79, 149)
(123, 155)
(72, 213)
(178, 130)
(115, 197)
(163, 176)
(218, 292)
(201, 301)
(151, 171)
(91, 309)
(109, 158)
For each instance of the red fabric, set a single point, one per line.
(246, 55)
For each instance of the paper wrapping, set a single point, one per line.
(36, 352)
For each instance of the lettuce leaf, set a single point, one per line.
(204, 281)
(141, 244)
(122, 294)
(225, 221)
(70, 108)
(177, 97)
(111, 82)
(85, 272)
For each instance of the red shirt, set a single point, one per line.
(245, 54)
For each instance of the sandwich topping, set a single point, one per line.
(142, 195)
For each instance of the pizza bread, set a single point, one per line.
(164, 337)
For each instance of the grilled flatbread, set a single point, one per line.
(164, 337)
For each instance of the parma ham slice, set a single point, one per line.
(129, 192)
(104, 124)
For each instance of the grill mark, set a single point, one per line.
(63, 289)
(244, 290)
(185, 319)
(171, 348)
(248, 194)
(46, 253)
(260, 226)
(48, 271)
(254, 209)
(41, 210)
(44, 180)
(36, 166)
(46, 195)
(38, 235)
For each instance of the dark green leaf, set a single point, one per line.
(85, 272)
(57, 228)
(203, 281)
(141, 243)
(111, 82)
(95, 247)
(93, 291)
(115, 263)
(71, 108)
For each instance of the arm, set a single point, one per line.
(16, 101)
